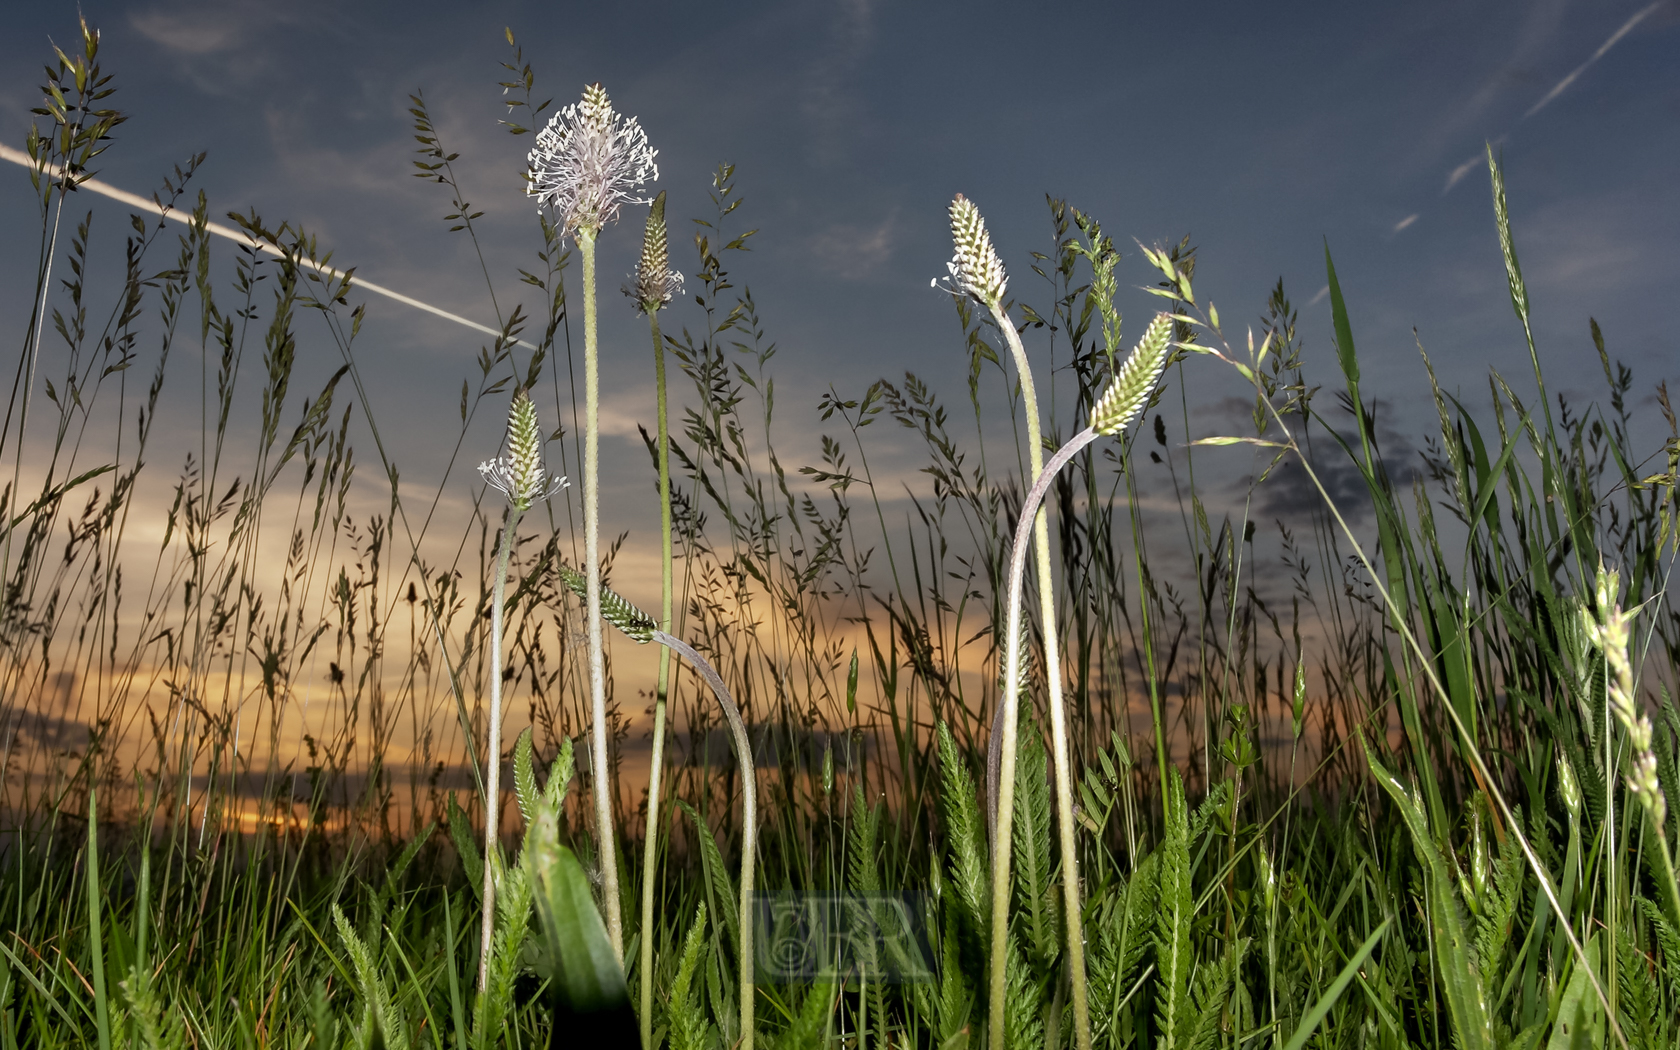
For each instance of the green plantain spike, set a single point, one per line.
(614, 609)
(1130, 390)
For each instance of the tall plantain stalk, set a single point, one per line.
(586, 165)
(520, 476)
(977, 271)
(635, 623)
(656, 283)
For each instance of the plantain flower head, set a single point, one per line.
(588, 163)
(520, 475)
(975, 269)
(655, 282)
(1136, 379)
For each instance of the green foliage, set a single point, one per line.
(382, 1024)
(685, 1014)
(1461, 977)
(1245, 889)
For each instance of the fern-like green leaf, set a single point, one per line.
(686, 1014)
(460, 833)
(863, 877)
(965, 841)
(1023, 1013)
(155, 1026)
(1668, 938)
(809, 1027)
(1644, 1020)
(954, 1007)
(507, 956)
(1174, 1015)
(560, 774)
(382, 1023)
(720, 888)
(1493, 926)
(1122, 935)
(1208, 1000)
(525, 778)
(1035, 883)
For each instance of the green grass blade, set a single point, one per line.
(1465, 993)
(96, 945)
(1326, 1002)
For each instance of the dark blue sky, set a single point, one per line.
(1259, 129)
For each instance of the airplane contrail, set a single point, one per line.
(1563, 85)
(185, 218)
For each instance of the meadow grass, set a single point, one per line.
(1420, 797)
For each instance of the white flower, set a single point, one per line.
(588, 163)
(975, 269)
(520, 475)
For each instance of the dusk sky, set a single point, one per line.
(1261, 130)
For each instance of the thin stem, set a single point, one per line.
(1472, 754)
(650, 843)
(1005, 790)
(493, 753)
(749, 821)
(592, 575)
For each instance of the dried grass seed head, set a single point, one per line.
(588, 163)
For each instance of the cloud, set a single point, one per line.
(1407, 221)
(827, 96)
(1462, 170)
(1319, 298)
(198, 33)
(853, 252)
(1539, 27)
(1563, 85)
(217, 45)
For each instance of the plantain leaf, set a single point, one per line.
(1580, 1016)
(586, 984)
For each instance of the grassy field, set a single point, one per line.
(1416, 797)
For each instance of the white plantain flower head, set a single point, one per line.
(975, 269)
(655, 282)
(588, 162)
(520, 475)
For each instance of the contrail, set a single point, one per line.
(185, 218)
(1563, 84)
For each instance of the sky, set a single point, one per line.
(1262, 131)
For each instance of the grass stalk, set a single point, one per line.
(600, 762)
(652, 292)
(493, 754)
